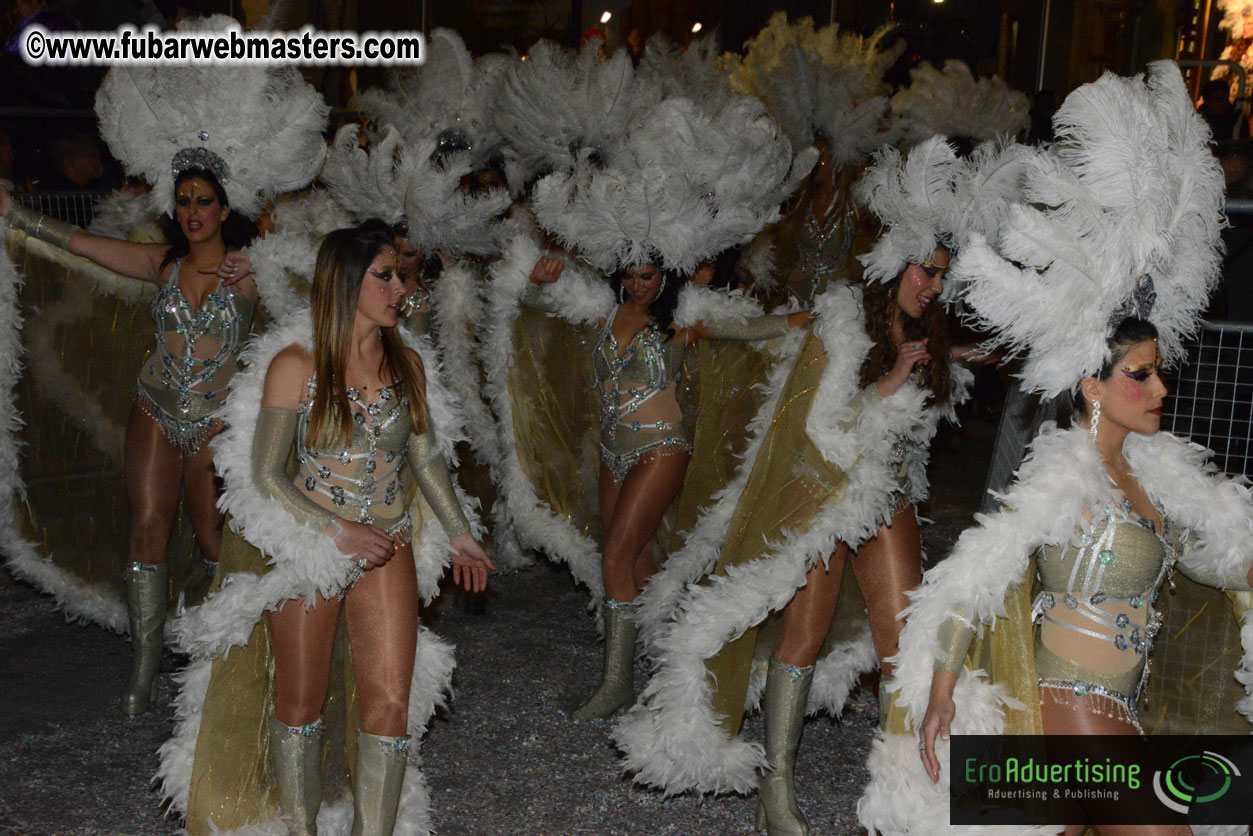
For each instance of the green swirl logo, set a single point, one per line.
(1194, 779)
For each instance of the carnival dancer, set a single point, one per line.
(1097, 282)
(353, 407)
(210, 169)
(826, 89)
(839, 462)
(645, 210)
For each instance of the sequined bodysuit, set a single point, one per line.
(363, 481)
(1095, 610)
(822, 248)
(1095, 616)
(639, 410)
(186, 378)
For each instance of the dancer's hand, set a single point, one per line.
(236, 267)
(359, 540)
(547, 270)
(6, 202)
(910, 353)
(937, 721)
(470, 564)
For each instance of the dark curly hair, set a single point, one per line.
(661, 311)
(879, 305)
(237, 230)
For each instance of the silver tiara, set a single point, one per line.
(201, 158)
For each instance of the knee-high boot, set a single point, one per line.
(787, 692)
(376, 783)
(147, 587)
(296, 757)
(617, 686)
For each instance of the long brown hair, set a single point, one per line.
(879, 305)
(343, 259)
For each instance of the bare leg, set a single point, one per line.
(382, 614)
(886, 568)
(634, 511)
(1064, 718)
(302, 640)
(154, 469)
(203, 490)
(807, 617)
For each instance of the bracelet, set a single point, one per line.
(42, 227)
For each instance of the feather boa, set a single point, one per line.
(1062, 478)
(304, 562)
(672, 739)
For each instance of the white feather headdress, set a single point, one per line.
(258, 129)
(397, 180)
(450, 97)
(555, 104)
(1130, 189)
(1235, 14)
(916, 200)
(819, 81)
(692, 72)
(954, 103)
(688, 184)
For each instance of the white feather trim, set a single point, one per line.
(671, 739)
(582, 298)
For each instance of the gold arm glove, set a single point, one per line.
(276, 430)
(57, 233)
(435, 482)
(954, 639)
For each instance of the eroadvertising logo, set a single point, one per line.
(1175, 788)
(1099, 779)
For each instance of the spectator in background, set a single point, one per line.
(76, 163)
(1220, 114)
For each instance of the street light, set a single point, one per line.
(605, 16)
(695, 27)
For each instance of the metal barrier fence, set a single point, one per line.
(1211, 400)
(77, 208)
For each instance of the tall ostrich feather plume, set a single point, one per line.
(1129, 189)
(689, 183)
(820, 82)
(265, 124)
(556, 103)
(395, 180)
(954, 103)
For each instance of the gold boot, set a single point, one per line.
(296, 758)
(377, 781)
(617, 686)
(787, 692)
(147, 587)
